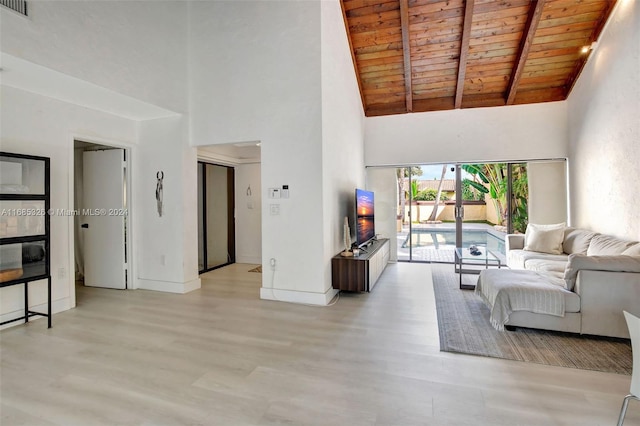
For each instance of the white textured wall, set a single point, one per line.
(36, 125)
(255, 75)
(254, 69)
(604, 131)
(547, 192)
(136, 48)
(383, 182)
(248, 214)
(166, 245)
(342, 133)
(519, 132)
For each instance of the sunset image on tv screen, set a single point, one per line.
(365, 228)
(364, 203)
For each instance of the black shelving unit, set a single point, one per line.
(25, 226)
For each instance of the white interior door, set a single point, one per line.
(103, 223)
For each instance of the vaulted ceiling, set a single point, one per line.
(428, 55)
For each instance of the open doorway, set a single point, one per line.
(242, 162)
(102, 243)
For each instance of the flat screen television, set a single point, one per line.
(365, 229)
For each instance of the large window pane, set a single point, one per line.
(22, 176)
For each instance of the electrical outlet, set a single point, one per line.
(273, 263)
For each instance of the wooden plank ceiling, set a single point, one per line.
(428, 55)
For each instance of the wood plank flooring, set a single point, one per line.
(222, 356)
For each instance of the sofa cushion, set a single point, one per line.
(579, 262)
(605, 245)
(576, 240)
(552, 268)
(571, 301)
(632, 251)
(544, 238)
(519, 259)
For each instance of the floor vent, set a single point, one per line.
(19, 6)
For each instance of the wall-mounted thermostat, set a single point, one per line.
(274, 192)
(285, 191)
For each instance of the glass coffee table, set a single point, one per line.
(483, 257)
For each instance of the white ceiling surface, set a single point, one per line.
(231, 154)
(30, 77)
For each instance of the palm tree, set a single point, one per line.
(415, 190)
(490, 179)
(434, 212)
(402, 174)
(520, 194)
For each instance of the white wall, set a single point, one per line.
(384, 184)
(255, 75)
(248, 214)
(166, 245)
(342, 134)
(254, 70)
(42, 126)
(133, 57)
(519, 132)
(135, 48)
(547, 192)
(604, 131)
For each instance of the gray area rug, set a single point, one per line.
(463, 323)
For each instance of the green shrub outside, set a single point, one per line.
(430, 195)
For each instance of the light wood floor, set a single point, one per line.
(222, 356)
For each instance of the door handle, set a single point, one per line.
(85, 225)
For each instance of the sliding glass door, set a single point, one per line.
(493, 201)
(444, 206)
(425, 221)
(216, 224)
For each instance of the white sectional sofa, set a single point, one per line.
(586, 280)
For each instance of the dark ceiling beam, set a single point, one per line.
(353, 54)
(535, 13)
(464, 50)
(406, 51)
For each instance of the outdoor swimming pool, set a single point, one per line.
(445, 239)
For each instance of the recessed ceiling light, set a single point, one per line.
(585, 49)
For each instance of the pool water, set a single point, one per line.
(446, 239)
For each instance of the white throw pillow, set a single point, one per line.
(544, 238)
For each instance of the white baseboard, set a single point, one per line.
(57, 306)
(292, 296)
(169, 286)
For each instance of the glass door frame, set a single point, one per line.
(459, 206)
(459, 209)
(410, 204)
(230, 214)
